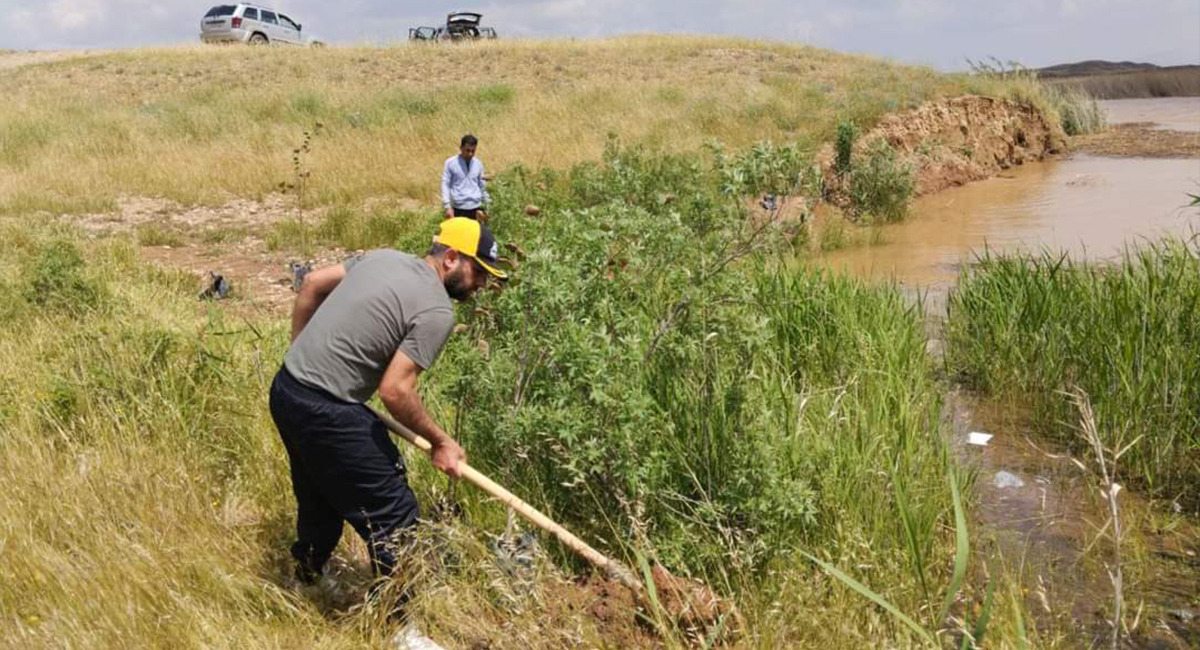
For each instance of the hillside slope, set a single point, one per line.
(203, 125)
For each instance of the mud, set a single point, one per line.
(1086, 205)
(1140, 139)
(1168, 113)
(955, 141)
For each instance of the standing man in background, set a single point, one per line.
(463, 191)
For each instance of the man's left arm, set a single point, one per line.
(316, 286)
(485, 199)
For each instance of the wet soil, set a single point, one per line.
(1140, 140)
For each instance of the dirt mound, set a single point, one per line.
(962, 139)
(610, 605)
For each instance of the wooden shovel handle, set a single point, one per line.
(610, 566)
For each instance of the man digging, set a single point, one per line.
(374, 322)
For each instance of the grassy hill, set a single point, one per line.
(661, 375)
(1091, 67)
(201, 125)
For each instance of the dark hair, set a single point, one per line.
(469, 139)
(437, 250)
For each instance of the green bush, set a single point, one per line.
(56, 280)
(847, 133)
(646, 375)
(880, 189)
(766, 168)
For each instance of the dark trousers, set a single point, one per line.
(467, 212)
(345, 467)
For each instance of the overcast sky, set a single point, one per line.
(933, 32)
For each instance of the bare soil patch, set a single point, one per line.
(229, 240)
(261, 277)
(955, 141)
(1140, 140)
(192, 222)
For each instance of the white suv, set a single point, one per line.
(253, 24)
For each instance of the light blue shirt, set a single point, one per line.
(462, 185)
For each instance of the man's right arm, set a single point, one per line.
(317, 285)
(398, 392)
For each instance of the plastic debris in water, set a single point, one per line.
(1006, 480)
(978, 438)
(218, 287)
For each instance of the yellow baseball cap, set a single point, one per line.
(473, 239)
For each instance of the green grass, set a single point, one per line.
(655, 378)
(1033, 326)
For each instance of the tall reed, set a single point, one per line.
(1124, 332)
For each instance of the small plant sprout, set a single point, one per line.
(299, 181)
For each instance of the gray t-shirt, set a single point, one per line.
(388, 301)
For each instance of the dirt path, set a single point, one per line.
(231, 240)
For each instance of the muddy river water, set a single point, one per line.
(1034, 506)
(1084, 204)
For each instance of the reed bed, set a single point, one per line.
(1177, 81)
(1033, 325)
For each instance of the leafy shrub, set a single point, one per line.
(880, 189)
(847, 133)
(56, 280)
(641, 375)
(766, 168)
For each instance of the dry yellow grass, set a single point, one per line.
(201, 124)
(145, 500)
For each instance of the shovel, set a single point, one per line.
(611, 567)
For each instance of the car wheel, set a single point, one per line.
(258, 39)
